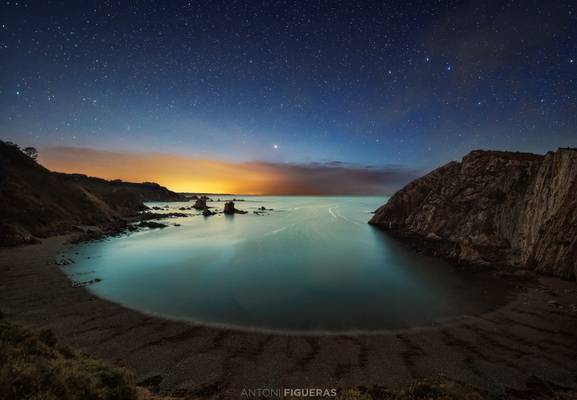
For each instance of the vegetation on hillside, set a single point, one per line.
(34, 367)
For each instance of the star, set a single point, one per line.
(295, 78)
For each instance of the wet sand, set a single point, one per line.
(534, 335)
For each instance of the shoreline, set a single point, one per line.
(531, 335)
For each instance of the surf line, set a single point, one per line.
(331, 211)
(337, 215)
(278, 230)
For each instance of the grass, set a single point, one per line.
(34, 367)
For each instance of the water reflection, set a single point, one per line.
(312, 264)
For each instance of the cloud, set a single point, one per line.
(200, 175)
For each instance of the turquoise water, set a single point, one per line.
(312, 264)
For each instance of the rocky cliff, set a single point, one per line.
(499, 208)
(35, 202)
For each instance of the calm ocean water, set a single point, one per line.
(312, 264)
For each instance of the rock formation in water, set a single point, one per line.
(498, 208)
(200, 204)
(37, 203)
(207, 213)
(152, 225)
(229, 209)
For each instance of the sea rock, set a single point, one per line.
(152, 225)
(499, 208)
(150, 216)
(229, 209)
(200, 203)
(207, 213)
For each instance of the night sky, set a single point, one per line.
(407, 84)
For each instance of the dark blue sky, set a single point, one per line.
(409, 83)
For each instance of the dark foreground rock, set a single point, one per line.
(494, 208)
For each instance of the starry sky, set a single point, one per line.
(392, 88)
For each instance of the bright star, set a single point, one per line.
(275, 146)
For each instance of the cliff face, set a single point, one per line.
(35, 202)
(516, 209)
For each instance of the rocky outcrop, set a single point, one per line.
(229, 209)
(498, 208)
(152, 225)
(200, 204)
(37, 203)
(207, 213)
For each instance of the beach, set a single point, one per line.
(530, 341)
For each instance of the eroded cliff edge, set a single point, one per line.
(493, 207)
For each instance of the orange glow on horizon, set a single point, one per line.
(177, 173)
(182, 174)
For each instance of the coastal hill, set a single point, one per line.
(38, 203)
(494, 208)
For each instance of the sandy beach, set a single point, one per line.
(530, 341)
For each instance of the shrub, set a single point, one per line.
(34, 367)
